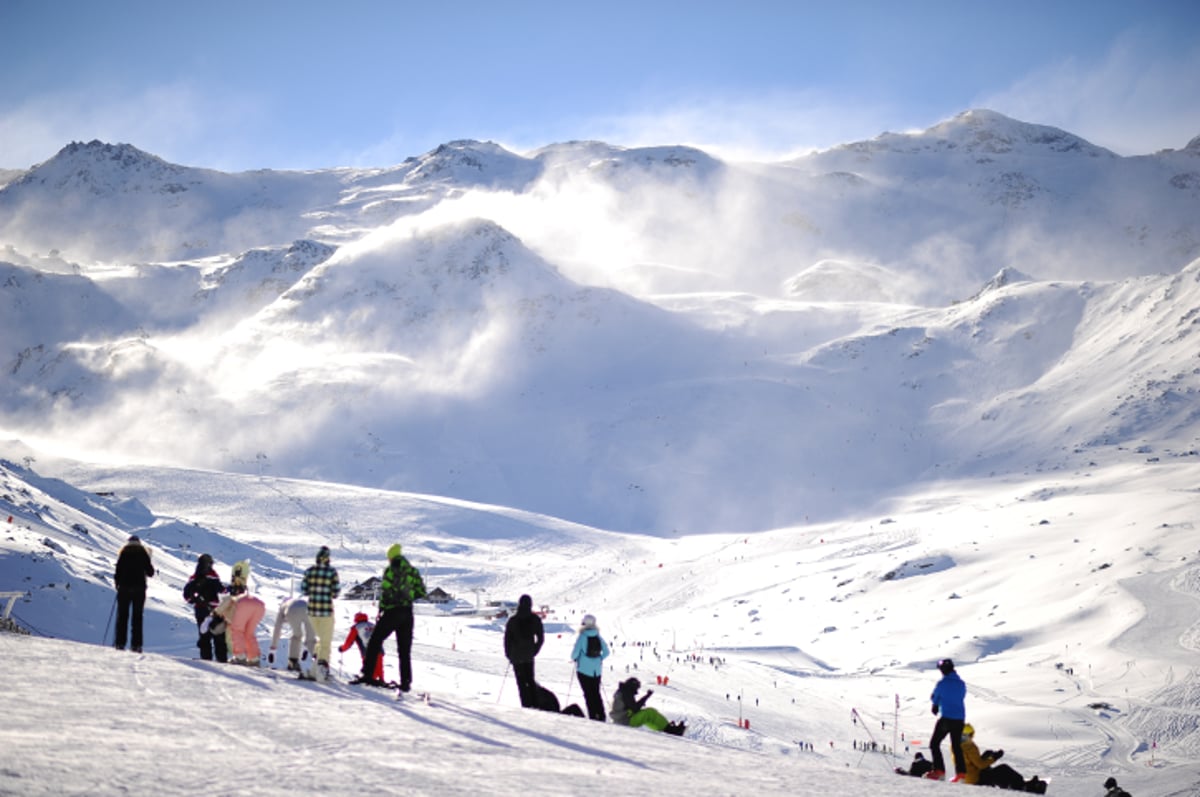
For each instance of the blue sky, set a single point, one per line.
(266, 84)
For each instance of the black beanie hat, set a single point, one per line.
(946, 666)
(323, 554)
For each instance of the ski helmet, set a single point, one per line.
(968, 730)
(946, 666)
(361, 617)
(589, 621)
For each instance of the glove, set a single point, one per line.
(648, 693)
(271, 657)
(934, 710)
(999, 753)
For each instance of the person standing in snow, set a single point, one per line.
(949, 699)
(360, 634)
(401, 586)
(203, 591)
(242, 614)
(294, 613)
(589, 654)
(523, 639)
(132, 570)
(321, 585)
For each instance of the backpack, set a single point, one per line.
(594, 648)
(399, 592)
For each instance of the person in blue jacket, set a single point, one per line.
(589, 654)
(949, 699)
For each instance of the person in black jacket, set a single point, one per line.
(523, 638)
(133, 568)
(203, 591)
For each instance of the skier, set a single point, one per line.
(360, 634)
(203, 591)
(589, 654)
(401, 586)
(982, 769)
(294, 612)
(321, 585)
(629, 709)
(523, 639)
(949, 698)
(242, 614)
(132, 570)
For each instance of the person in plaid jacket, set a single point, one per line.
(321, 585)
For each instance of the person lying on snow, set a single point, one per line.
(983, 770)
(629, 709)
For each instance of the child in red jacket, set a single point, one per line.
(360, 633)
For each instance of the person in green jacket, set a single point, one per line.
(401, 585)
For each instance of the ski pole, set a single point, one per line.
(104, 640)
(570, 681)
(502, 682)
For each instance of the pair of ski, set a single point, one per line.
(424, 697)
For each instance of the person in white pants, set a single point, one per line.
(294, 613)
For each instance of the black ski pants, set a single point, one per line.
(130, 606)
(591, 695)
(211, 645)
(526, 686)
(953, 729)
(398, 621)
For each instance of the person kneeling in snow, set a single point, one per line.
(983, 770)
(360, 633)
(629, 709)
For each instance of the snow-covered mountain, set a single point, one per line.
(795, 431)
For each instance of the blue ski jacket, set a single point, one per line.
(585, 664)
(949, 697)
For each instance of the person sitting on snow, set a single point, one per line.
(629, 709)
(360, 633)
(983, 770)
(919, 767)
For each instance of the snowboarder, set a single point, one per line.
(132, 570)
(203, 591)
(242, 614)
(360, 634)
(321, 585)
(948, 698)
(401, 585)
(523, 639)
(983, 770)
(294, 613)
(1113, 790)
(629, 709)
(589, 654)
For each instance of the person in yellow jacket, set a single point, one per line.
(982, 769)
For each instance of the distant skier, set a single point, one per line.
(321, 585)
(360, 634)
(949, 698)
(293, 612)
(132, 570)
(524, 636)
(203, 591)
(401, 585)
(589, 654)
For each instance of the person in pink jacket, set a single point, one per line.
(243, 613)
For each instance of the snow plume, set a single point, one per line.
(1120, 95)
